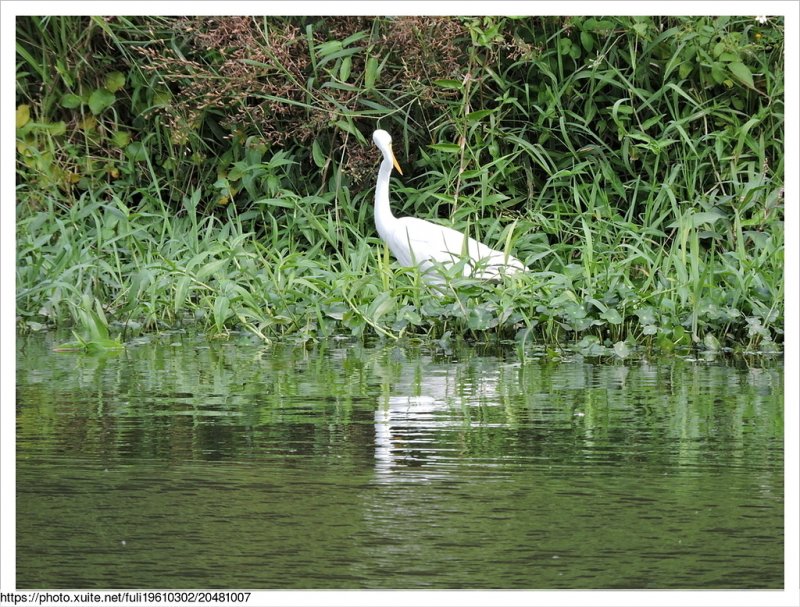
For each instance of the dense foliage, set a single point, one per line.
(220, 170)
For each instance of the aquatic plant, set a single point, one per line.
(223, 175)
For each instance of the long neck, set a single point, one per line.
(383, 214)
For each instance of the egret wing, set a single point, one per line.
(419, 242)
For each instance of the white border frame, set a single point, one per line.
(790, 9)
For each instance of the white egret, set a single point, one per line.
(416, 242)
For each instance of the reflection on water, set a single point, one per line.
(185, 463)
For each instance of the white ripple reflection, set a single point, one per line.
(417, 410)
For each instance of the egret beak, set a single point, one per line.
(394, 162)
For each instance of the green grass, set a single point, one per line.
(634, 164)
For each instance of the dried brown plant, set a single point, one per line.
(254, 73)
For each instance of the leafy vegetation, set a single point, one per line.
(220, 171)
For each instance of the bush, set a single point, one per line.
(636, 163)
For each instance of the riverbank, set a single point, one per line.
(635, 165)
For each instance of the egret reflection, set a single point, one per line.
(424, 415)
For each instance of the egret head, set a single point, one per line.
(383, 140)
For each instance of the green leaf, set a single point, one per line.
(71, 346)
(63, 72)
(449, 84)
(651, 121)
(591, 346)
(742, 72)
(317, 155)
(136, 151)
(621, 349)
(121, 138)
(115, 81)
(210, 268)
(451, 148)
(718, 72)
(349, 127)
(382, 304)
(601, 27)
(480, 318)
(181, 291)
(711, 342)
(71, 101)
(371, 72)
(709, 217)
(328, 48)
(237, 171)
(23, 115)
(646, 316)
(336, 310)
(100, 100)
(492, 199)
(612, 316)
(698, 219)
(224, 186)
(162, 98)
(479, 115)
(57, 128)
(90, 346)
(345, 68)
(679, 335)
(587, 40)
(623, 109)
(277, 202)
(222, 307)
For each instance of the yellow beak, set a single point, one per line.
(394, 162)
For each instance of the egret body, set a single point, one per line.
(421, 243)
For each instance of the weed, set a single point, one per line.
(222, 175)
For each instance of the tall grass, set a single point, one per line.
(222, 174)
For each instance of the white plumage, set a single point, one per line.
(416, 242)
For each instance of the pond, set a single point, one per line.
(183, 462)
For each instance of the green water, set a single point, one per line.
(183, 462)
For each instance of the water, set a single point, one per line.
(183, 463)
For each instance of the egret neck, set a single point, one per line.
(384, 220)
